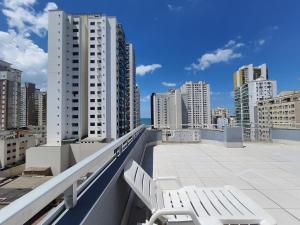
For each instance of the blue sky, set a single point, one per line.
(175, 40)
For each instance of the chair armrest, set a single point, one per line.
(173, 211)
(158, 179)
(209, 220)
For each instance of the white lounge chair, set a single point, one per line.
(193, 205)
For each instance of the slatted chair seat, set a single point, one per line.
(193, 205)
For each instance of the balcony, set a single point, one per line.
(268, 173)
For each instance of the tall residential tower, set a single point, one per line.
(251, 84)
(90, 78)
(187, 107)
(10, 96)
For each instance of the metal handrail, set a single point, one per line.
(26, 207)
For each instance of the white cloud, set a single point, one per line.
(167, 84)
(146, 98)
(24, 55)
(17, 48)
(21, 16)
(224, 54)
(143, 69)
(174, 8)
(261, 42)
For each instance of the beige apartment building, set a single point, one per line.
(282, 111)
(13, 145)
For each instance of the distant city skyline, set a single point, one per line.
(175, 41)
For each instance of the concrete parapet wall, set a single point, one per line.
(285, 134)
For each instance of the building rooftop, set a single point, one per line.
(268, 173)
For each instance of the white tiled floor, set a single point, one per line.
(268, 173)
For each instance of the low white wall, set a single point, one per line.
(56, 157)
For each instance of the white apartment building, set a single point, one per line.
(198, 103)
(160, 111)
(251, 85)
(10, 96)
(137, 110)
(187, 107)
(41, 107)
(88, 78)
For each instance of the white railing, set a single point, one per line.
(26, 207)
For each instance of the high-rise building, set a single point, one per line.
(137, 110)
(28, 112)
(41, 107)
(132, 84)
(251, 85)
(10, 94)
(88, 78)
(187, 107)
(198, 103)
(282, 111)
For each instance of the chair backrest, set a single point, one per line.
(143, 185)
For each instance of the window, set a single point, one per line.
(92, 116)
(92, 108)
(74, 116)
(92, 61)
(92, 53)
(92, 100)
(99, 132)
(75, 53)
(74, 124)
(75, 84)
(92, 23)
(92, 77)
(92, 46)
(98, 100)
(92, 132)
(75, 76)
(75, 108)
(75, 61)
(92, 31)
(75, 100)
(92, 92)
(99, 108)
(92, 85)
(75, 69)
(75, 22)
(92, 38)
(75, 30)
(75, 38)
(92, 69)
(92, 124)
(75, 45)
(98, 124)
(75, 132)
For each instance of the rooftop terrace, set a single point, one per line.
(268, 173)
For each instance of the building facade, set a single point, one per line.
(198, 104)
(29, 110)
(10, 96)
(41, 107)
(282, 111)
(137, 106)
(220, 117)
(13, 145)
(251, 85)
(88, 78)
(187, 107)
